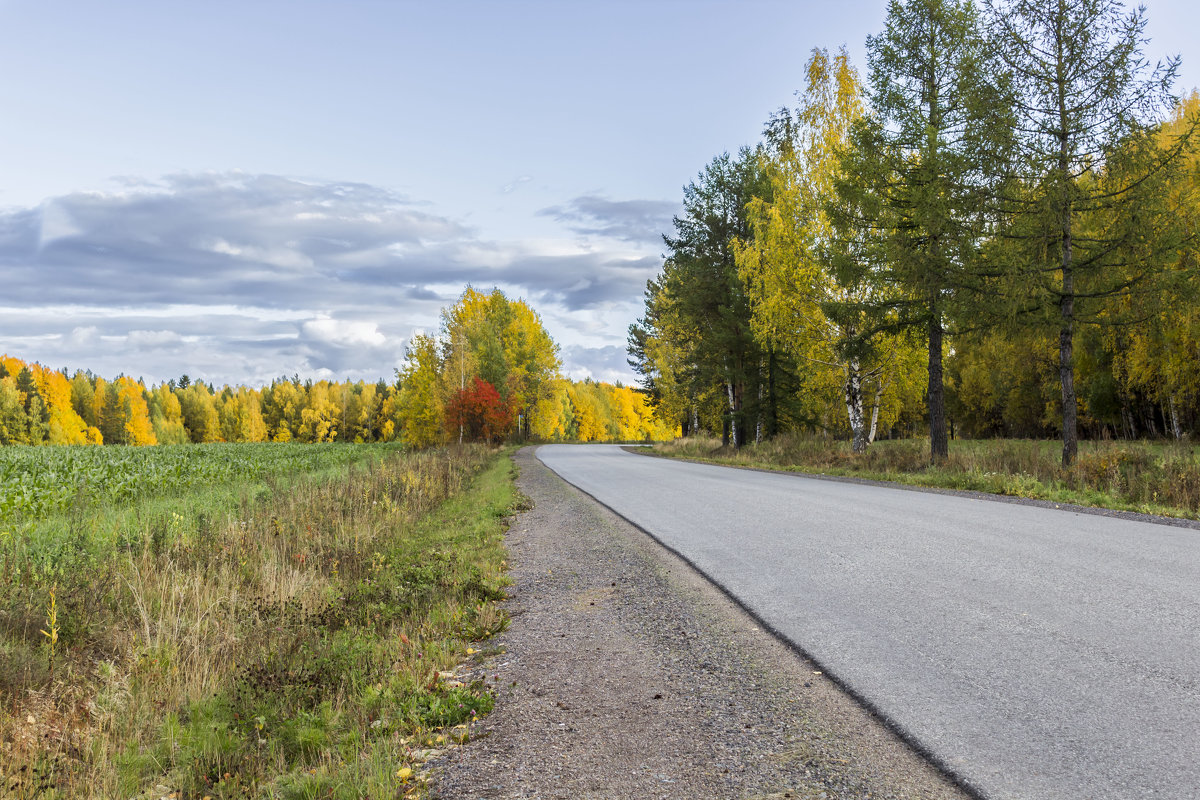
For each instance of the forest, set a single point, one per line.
(990, 233)
(493, 373)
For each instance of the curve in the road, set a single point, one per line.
(1032, 652)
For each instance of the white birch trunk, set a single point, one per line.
(854, 407)
(732, 416)
(1175, 428)
(875, 415)
(758, 422)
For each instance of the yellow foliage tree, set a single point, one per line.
(419, 406)
(504, 342)
(131, 395)
(791, 283)
(200, 413)
(320, 417)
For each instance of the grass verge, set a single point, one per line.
(1145, 477)
(300, 645)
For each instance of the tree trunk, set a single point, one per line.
(854, 408)
(875, 414)
(772, 404)
(1066, 333)
(939, 448)
(733, 410)
(1148, 411)
(1129, 430)
(1176, 430)
(1066, 372)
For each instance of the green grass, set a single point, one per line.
(285, 635)
(1148, 477)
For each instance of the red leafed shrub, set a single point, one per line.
(483, 414)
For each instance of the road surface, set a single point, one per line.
(1031, 652)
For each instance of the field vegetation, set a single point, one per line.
(1149, 477)
(243, 620)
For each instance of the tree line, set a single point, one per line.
(492, 374)
(993, 234)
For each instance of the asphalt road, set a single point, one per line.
(1031, 652)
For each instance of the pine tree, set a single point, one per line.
(696, 335)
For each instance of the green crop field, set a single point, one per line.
(36, 482)
(251, 620)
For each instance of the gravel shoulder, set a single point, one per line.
(626, 674)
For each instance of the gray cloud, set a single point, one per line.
(643, 221)
(239, 278)
(605, 363)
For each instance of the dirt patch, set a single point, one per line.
(626, 674)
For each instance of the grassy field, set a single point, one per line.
(243, 620)
(1150, 477)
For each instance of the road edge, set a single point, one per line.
(875, 712)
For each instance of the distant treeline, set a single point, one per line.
(494, 374)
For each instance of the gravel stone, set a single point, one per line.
(626, 674)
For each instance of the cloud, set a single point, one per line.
(642, 221)
(340, 333)
(512, 185)
(238, 278)
(605, 363)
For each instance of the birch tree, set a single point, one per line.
(800, 302)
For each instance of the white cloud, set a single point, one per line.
(343, 333)
(57, 223)
(153, 339)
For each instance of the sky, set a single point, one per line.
(244, 190)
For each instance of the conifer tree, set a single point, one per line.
(698, 307)
(1083, 169)
(938, 122)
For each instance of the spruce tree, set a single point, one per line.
(699, 304)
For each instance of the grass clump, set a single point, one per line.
(294, 642)
(1149, 477)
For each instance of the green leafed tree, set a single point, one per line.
(504, 342)
(695, 347)
(802, 304)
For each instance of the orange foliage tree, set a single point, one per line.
(482, 413)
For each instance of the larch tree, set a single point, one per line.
(1083, 168)
(937, 123)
